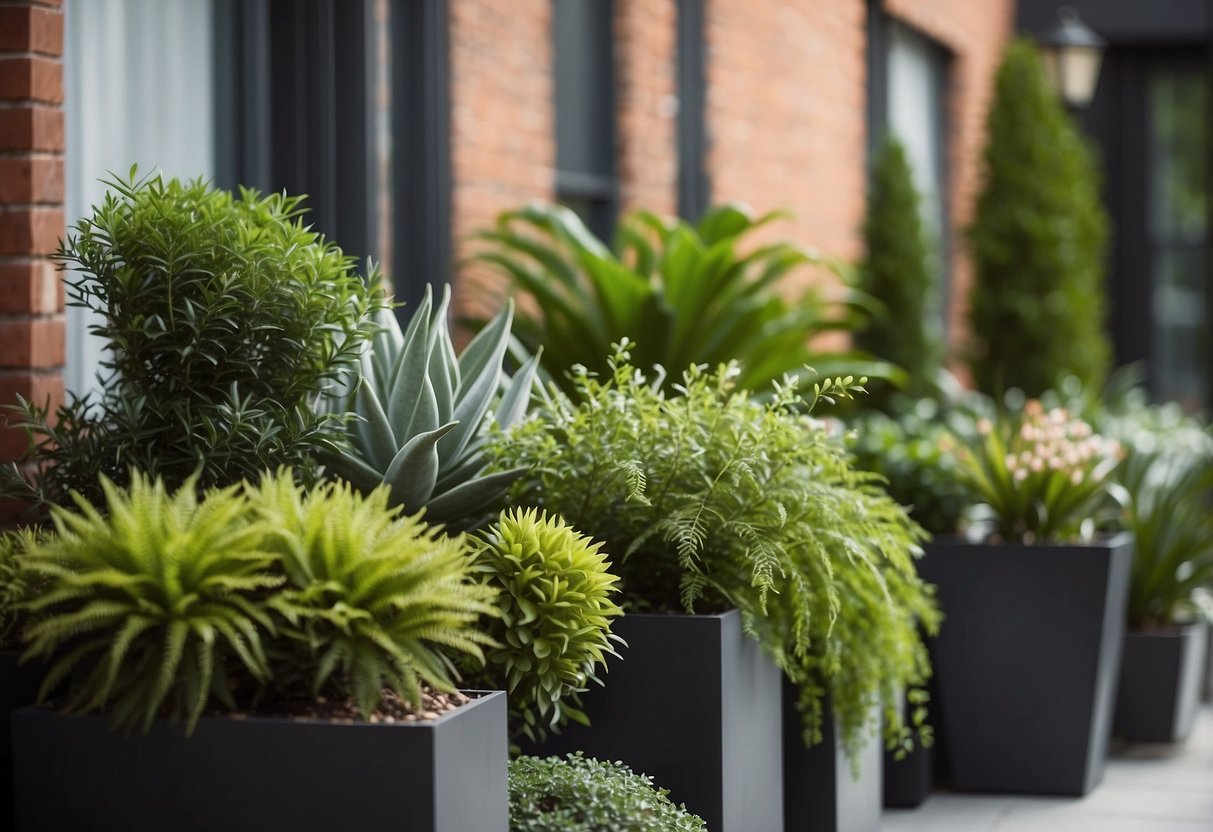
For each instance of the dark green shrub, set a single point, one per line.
(222, 316)
(1037, 303)
(555, 600)
(681, 294)
(898, 271)
(709, 499)
(577, 794)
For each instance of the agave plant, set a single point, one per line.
(372, 601)
(422, 414)
(556, 612)
(682, 294)
(151, 605)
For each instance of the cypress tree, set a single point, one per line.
(1037, 306)
(898, 271)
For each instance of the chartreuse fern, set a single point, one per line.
(708, 499)
(150, 601)
(13, 544)
(373, 601)
(556, 609)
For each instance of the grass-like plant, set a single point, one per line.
(556, 609)
(221, 316)
(151, 602)
(13, 544)
(681, 294)
(422, 413)
(708, 500)
(581, 794)
(1043, 474)
(373, 601)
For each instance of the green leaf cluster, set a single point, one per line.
(709, 499)
(581, 794)
(13, 544)
(221, 317)
(682, 294)
(1037, 306)
(422, 413)
(898, 271)
(166, 603)
(556, 606)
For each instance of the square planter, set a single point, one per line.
(1208, 677)
(908, 781)
(820, 794)
(1160, 681)
(695, 705)
(1027, 660)
(258, 773)
(18, 687)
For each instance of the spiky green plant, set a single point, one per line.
(13, 545)
(682, 294)
(373, 600)
(556, 608)
(423, 413)
(150, 602)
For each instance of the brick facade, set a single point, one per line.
(31, 207)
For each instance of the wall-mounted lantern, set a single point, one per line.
(1072, 53)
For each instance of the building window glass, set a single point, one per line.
(585, 111)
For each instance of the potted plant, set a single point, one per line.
(1164, 486)
(307, 641)
(1026, 664)
(729, 522)
(579, 794)
(18, 683)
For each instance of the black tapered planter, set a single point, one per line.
(1208, 682)
(448, 775)
(18, 687)
(908, 781)
(1160, 681)
(1027, 659)
(694, 704)
(820, 792)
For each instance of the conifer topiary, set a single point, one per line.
(898, 271)
(1037, 304)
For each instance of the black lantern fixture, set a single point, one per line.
(1072, 52)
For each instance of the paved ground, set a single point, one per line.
(1147, 788)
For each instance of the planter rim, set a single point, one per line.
(1101, 542)
(476, 697)
(1174, 630)
(669, 615)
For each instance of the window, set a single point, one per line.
(585, 111)
(693, 186)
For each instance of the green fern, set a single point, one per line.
(13, 545)
(373, 601)
(151, 602)
(556, 611)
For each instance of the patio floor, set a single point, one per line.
(1147, 788)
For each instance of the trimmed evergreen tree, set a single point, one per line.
(898, 271)
(1037, 306)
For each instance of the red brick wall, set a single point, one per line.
(31, 207)
(646, 90)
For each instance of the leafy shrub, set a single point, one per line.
(579, 794)
(1042, 473)
(682, 294)
(1037, 304)
(152, 604)
(898, 271)
(372, 601)
(221, 317)
(711, 500)
(556, 610)
(422, 413)
(13, 544)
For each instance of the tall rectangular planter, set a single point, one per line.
(820, 794)
(908, 781)
(18, 687)
(1027, 661)
(445, 775)
(1160, 682)
(1208, 678)
(694, 704)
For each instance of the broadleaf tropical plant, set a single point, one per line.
(422, 414)
(556, 606)
(681, 294)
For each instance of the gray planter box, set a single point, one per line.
(694, 704)
(819, 792)
(1027, 661)
(1208, 682)
(1160, 681)
(448, 775)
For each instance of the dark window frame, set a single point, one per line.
(694, 184)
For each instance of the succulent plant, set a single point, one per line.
(423, 413)
(556, 610)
